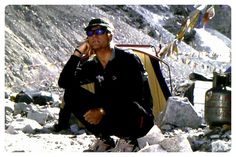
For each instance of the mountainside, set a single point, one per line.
(40, 39)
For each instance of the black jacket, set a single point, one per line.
(118, 87)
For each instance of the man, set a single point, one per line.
(121, 104)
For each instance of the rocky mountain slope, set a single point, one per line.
(40, 39)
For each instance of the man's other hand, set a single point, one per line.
(94, 116)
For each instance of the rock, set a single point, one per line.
(220, 146)
(23, 97)
(22, 108)
(179, 112)
(178, 143)
(154, 136)
(167, 127)
(152, 148)
(9, 106)
(38, 116)
(227, 135)
(8, 119)
(52, 112)
(23, 125)
(42, 98)
(216, 136)
(29, 128)
(7, 95)
(37, 97)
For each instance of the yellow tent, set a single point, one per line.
(159, 89)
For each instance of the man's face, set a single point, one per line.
(98, 38)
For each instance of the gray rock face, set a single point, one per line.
(45, 37)
(178, 143)
(30, 135)
(154, 136)
(23, 125)
(153, 148)
(179, 112)
(220, 146)
(38, 116)
(21, 108)
(155, 141)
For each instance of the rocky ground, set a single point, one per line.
(29, 128)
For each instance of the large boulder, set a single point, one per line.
(178, 143)
(179, 112)
(40, 117)
(22, 108)
(23, 125)
(154, 136)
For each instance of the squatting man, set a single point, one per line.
(121, 103)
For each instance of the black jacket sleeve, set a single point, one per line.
(67, 77)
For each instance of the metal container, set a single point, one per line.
(218, 102)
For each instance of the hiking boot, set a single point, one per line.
(58, 128)
(101, 145)
(109, 141)
(134, 142)
(122, 146)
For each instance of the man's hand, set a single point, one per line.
(83, 48)
(94, 116)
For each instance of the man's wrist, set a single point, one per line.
(77, 50)
(78, 53)
(101, 110)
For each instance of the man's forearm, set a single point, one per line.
(67, 76)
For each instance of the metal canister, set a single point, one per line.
(218, 102)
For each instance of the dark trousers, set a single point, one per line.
(128, 124)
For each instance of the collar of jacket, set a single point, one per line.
(112, 56)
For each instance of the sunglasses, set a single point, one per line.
(96, 32)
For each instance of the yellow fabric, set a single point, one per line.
(89, 87)
(158, 97)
